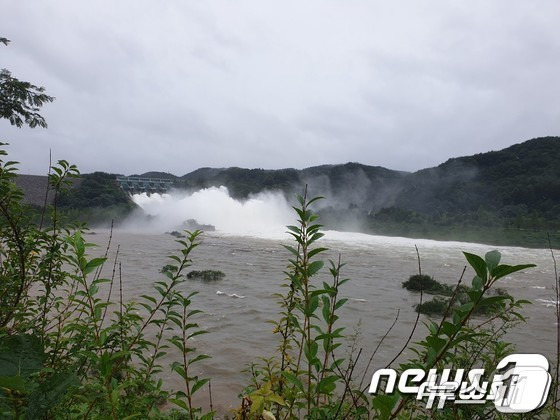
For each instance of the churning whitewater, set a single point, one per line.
(266, 213)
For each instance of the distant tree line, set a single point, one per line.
(512, 194)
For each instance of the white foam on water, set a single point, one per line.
(235, 295)
(548, 302)
(264, 214)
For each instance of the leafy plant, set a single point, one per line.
(455, 340)
(21, 101)
(302, 379)
(88, 352)
(27, 388)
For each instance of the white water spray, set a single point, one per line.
(266, 213)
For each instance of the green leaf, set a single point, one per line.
(477, 283)
(315, 237)
(93, 264)
(385, 404)
(180, 403)
(478, 264)
(50, 393)
(293, 379)
(340, 303)
(314, 267)
(504, 270)
(311, 351)
(327, 385)
(276, 399)
(519, 316)
(199, 384)
(462, 311)
(20, 355)
(313, 304)
(436, 343)
(319, 197)
(316, 251)
(449, 329)
(492, 259)
(291, 249)
(494, 299)
(257, 404)
(13, 383)
(199, 358)
(294, 229)
(523, 302)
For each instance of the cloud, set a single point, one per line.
(177, 85)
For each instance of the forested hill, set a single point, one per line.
(514, 189)
(364, 186)
(525, 175)
(514, 182)
(511, 196)
(521, 178)
(513, 193)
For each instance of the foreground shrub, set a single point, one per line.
(71, 344)
(458, 341)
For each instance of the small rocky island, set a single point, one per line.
(191, 225)
(206, 275)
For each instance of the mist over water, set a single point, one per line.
(266, 213)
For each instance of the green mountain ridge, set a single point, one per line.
(521, 177)
(525, 174)
(510, 196)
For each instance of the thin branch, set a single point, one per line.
(377, 348)
(448, 309)
(43, 211)
(417, 316)
(557, 291)
(347, 379)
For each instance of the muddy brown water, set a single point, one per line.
(237, 308)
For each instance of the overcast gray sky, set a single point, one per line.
(176, 85)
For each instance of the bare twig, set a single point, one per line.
(110, 293)
(44, 209)
(347, 379)
(448, 309)
(121, 306)
(557, 292)
(210, 395)
(377, 348)
(417, 316)
(99, 268)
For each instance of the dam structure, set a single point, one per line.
(137, 185)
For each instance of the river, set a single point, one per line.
(237, 308)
